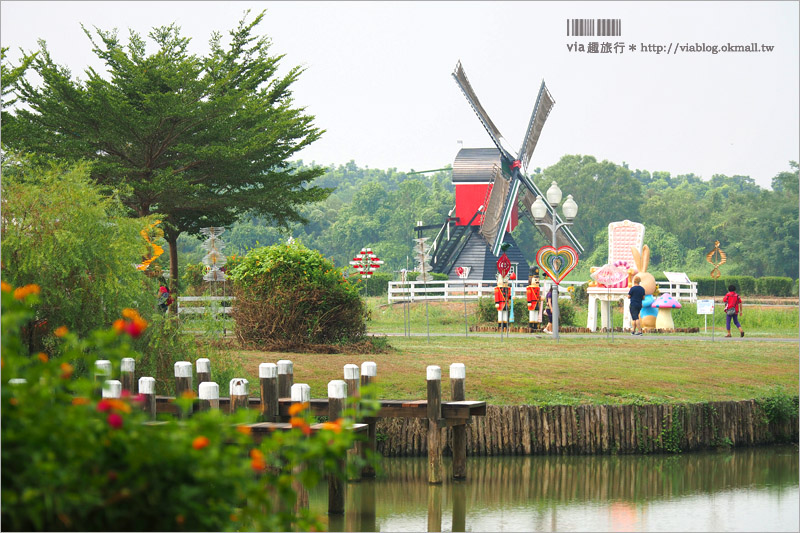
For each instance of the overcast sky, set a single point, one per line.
(378, 75)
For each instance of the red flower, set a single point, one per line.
(114, 420)
(103, 405)
(139, 398)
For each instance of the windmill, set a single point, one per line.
(489, 184)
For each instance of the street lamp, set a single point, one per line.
(539, 211)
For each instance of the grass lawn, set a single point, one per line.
(573, 371)
(524, 369)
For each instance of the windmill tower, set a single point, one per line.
(489, 184)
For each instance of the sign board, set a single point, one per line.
(677, 278)
(705, 307)
(463, 272)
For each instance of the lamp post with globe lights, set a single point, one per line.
(539, 211)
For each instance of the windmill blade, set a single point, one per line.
(532, 191)
(463, 83)
(498, 209)
(544, 103)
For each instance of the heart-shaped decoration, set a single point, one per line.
(557, 263)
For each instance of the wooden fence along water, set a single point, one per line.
(600, 429)
(279, 392)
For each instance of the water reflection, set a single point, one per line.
(754, 489)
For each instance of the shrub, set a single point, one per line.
(774, 286)
(60, 232)
(288, 296)
(376, 285)
(71, 462)
(487, 312)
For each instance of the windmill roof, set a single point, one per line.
(475, 165)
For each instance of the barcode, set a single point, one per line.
(582, 27)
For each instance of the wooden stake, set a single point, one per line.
(203, 367)
(458, 374)
(183, 382)
(369, 371)
(209, 396)
(238, 392)
(102, 372)
(285, 378)
(337, 392)
(352, 376)
(434, 374)
(434, 507)
(112, 388)
(126, 374)
(301, 392)
(268, 376)
(147, 388)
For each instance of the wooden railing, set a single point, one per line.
(202, 309)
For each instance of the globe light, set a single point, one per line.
(570, 208)
(539, 210)
(554, 195)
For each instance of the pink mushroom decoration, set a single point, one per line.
(665, 304)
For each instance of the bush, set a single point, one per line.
(488, 313)
(774, 286)
(289, 296)
(377, 285)
(71, 462)
(61, 233)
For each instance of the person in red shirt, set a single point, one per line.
(733, 307)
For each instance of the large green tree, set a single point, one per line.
(201, 140)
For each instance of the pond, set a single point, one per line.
(748, 489)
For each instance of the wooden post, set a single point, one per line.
(209, 396)
(458, 374)
(268, 376)
(369, 371)
(301, 392)
(337, 392)
(147, 388)
(112, 388)
(238, 392)
(183, 378)
(102, 372)
(203, 367)
(285, 378)
(183, 382)
(459, 507)
(352, 377)
(434, 431)
(126, 374)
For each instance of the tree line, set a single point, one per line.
(683, 215)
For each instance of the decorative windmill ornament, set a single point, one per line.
(366, 262)
(214, 259)
(717, 258)
(421, 257)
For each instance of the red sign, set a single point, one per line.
(503, 265)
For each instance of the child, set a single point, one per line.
(733, 307)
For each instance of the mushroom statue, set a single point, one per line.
(665, 304)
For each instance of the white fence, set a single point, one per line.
(202, 309)
(473, 289)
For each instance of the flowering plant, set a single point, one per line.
(72, 461)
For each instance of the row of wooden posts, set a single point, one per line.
(279, 392)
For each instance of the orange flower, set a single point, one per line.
(245, 430)
(5, 286)
(333, 426)
(43, 357)
(188, 394)
(66, 370)
(118, 405)
(20, 293)
(80, 401)
(200, 442)
(119, 326)
(296, 408)
(257, 462)
(61, 331)
(131, 314)
(234, 518)
(13, 401)
(180, 519)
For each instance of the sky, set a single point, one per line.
(378, 75)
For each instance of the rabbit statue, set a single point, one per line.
(648, 283)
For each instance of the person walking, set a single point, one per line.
(733, 308)
(636, 294)
(549, 310)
